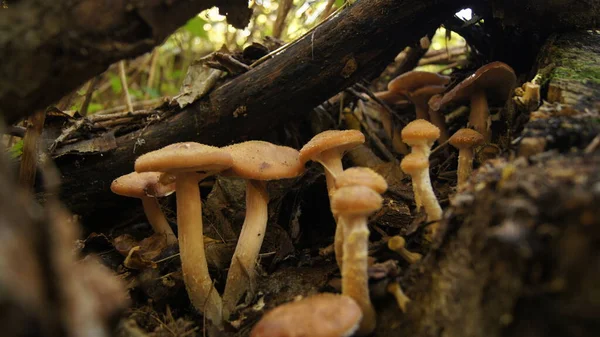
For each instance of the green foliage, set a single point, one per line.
(115, 83)
(16, 150)
(195, 27)
(94, 107)
(152, 92)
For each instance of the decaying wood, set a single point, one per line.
(48, 48)
(519, 255)
(357, 42)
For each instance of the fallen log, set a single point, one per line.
(359, 41)
(49, 48)
(520, 255)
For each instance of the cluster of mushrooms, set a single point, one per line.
(355, 194)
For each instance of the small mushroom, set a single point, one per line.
(328, 148)
(464, 140)
(355, 176)
(419, 86)
(256, 162)
(321, 315)
(420, 136)
(398, 245)
(146, 187)
(401, 298)
(184, 160)
(417, 166)
(353, 205)
(495, 80)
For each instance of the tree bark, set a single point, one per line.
(359, 41)
(49, 48)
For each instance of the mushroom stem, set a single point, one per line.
(429, 200)
(201, 291)
(421, 110)
(437, 119)
(241, 275)
(332, 164)
(157, 219)
(479, 117)
(465, 165)
(401, 298)
(355, 281)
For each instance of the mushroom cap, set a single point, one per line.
(396, 242)
(141, 185)
(419, 131)
(392, 97)
(322, 315)
(185, 157)
(414, 80)
(362, 176)
(413, 163)
(341, 140)
(497, 79)
(466, 138)
(355, 200)
(260, 160)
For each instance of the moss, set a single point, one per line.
(573, 62)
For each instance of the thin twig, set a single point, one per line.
(123, 78)
(376, 139)
(88, 95)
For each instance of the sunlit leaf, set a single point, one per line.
(195, 27)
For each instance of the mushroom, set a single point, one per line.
(419, 86)
(398, 244)
(401, 298)
(321, 315)
(420, 135)
(495, 80)
(355, 176)
(184, 160)
(146, 186)
(353, 204)
(327, 148)
(464, 140)
(254, 161)
(417, 166)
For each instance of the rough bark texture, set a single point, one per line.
(48, 48)
(359, 41)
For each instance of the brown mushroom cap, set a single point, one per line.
(355, 200)
(419, 131)
(414, 163)
(413, 80)
(322, 315)
(328, 140)
(141, 185)
(392, 98)
(184, 157)
(362, 176)
(497, 79)
(466, 138)
(260, 160)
